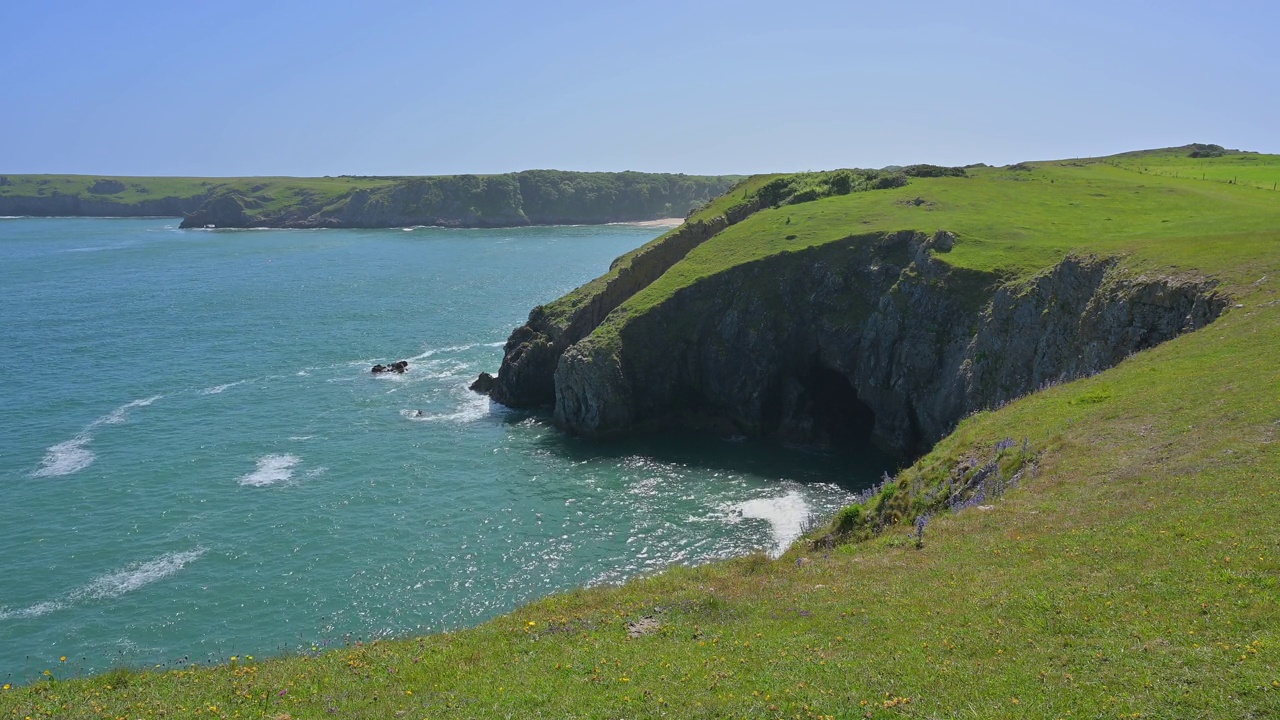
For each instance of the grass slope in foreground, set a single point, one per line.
(1135, 574)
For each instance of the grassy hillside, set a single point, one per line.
(282, 190)
(1017, 220)
(1133, 573)
(531, 196)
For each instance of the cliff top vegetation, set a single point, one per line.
(1161, 209)
(530, 196)
(129, 190)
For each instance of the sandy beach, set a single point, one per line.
(664, 222)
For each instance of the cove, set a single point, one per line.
(196, 462)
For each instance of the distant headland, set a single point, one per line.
(531, 197)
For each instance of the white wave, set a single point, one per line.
(66, 458)
(218, 389)
(271, 469)
(301, 437)
(786, 515)
(72, 456)
(97, 248)
(453, 349)
(111, 585)
(121, 414)
(34, 611)
(472, 408)
(115, 584)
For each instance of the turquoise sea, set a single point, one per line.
(195, 461)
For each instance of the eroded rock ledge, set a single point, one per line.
(873, 338)
(526, 378)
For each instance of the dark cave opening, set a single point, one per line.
(840, 419)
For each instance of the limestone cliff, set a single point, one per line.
(533, 350)
(874, 338)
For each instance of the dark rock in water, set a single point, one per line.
(379, 369)
(395, 367)
(483, 384)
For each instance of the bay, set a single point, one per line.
(195, 461)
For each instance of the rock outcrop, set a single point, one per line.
(873, 338)
(526, 378)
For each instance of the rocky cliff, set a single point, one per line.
(873, 338)
(525, 379)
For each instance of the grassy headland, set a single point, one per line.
(1133, 572)
(538, 197)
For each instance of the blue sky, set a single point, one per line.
(383, 87)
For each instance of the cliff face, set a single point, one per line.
(526, 378)
(872, 338)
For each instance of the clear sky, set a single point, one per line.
(385, 87)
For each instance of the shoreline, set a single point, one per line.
(671, 222)
(661, 222)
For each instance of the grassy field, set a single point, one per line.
(1134, 574)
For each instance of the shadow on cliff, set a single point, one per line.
(852, 469)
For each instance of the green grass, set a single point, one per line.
(1014, 223)
(284, 190)
(1135, 574)
(1246, 169)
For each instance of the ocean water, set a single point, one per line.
(195, 461)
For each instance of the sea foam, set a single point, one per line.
(219, 389)
(115, 584)
(786, 515)
(271, 469)
(112, 585)
(121, 414)
(33, 611)
(66, 458)
(472, 407)
(72, 456)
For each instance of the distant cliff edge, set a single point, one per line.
(531, 197)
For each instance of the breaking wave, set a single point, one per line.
(72, 456)
(272, 469)
(112, 585)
